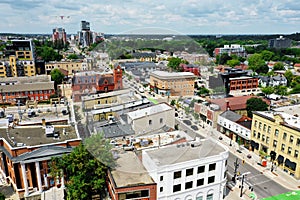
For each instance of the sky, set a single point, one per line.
(152, 16)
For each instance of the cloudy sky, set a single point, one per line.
(132, 16)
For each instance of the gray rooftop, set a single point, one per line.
(230, 115)
(179, 153)
(170, 75)
(130, 171)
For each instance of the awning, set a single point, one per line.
(280, 159)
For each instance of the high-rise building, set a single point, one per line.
(59, 34)
(85, 26)
(280, 42)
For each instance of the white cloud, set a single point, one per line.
(186, 16)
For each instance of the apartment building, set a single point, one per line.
(244, 85)
(233, 49)
(277, 134)
(172, 83)
(26, 88)
(152, 118)
(193, 170)
(71, 66)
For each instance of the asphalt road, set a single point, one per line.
(263, 186)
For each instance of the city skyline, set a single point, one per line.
(136, 17)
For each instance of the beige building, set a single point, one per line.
(15, 67)
(276, 135)
(172, 84)
(72, 66)
(152, 118)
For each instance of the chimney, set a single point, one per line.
(227, 105)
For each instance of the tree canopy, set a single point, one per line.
(255, 104)
(57, 76)
(257, 63)
(85, 171)
(175, 62)
(278, 66)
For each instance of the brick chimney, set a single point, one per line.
(227, 105)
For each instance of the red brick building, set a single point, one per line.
(26, 154)
(91, 82)
(130, 180)
(243, 86)
(36, 88)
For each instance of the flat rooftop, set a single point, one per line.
(183, 152)
(130, 171)
(292, 110)
(31, 136)
(105, 95)
(162, 107)
(168, 75)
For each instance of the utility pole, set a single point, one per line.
(236, 166)
(242, 186)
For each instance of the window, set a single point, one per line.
(150, 122)
(255, 123)
(136, 194)
(263, 138)
(201, 169)
(274, 143)
(161, 120)
(291, 139)
(269, 129)
(267, 140)
(188, 185)
(177, 174)
(284, 136)
(282, 147)
(211, 179)
(298, 142)
(254, 133)
(176, 188)
(259, 126)
(161, 178)
(265, 127)
(289, 150)
(276, 132)
(212, 167)
(210, 197)
(296, 153)
(200, 182)
(189, 172)
(258, 135)
(161, 189)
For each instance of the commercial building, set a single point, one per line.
(172, 84)
(152, 118)
(233, 49)
(71, 66)
(26, 88)
(130, 179)
(241, 86)
(192, 170)
(236, 127)
(277, 134)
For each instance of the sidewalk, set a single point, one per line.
(235, 194)
(278, 175)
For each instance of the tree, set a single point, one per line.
(57, 76)
(48, 53)
(173, 102)
(85, 168)
(295, 90)
(281, 90)
(257, 64)
(233, 63)
(203, 91)
(278, 66)
(267, 55)
(72, 56)
(223, 58)
(255, 104)
(2, 196)
(267, 90)
(289, 76)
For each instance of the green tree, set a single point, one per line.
(2, 196)
(257, 64)
(255, 104)
(267, 55)
(268, 90)
(222, 59)
(173, 102)
(48, 53)
(281, 90)
(203, 91)
(57, 76)
(85, 168)
(175, 62)
(289, 76)
(278, 66)
(233, 63)
(295, 89)
(72, 56)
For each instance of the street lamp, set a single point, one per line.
(242, 186)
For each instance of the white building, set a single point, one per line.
(152, 118)
(194, 170)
